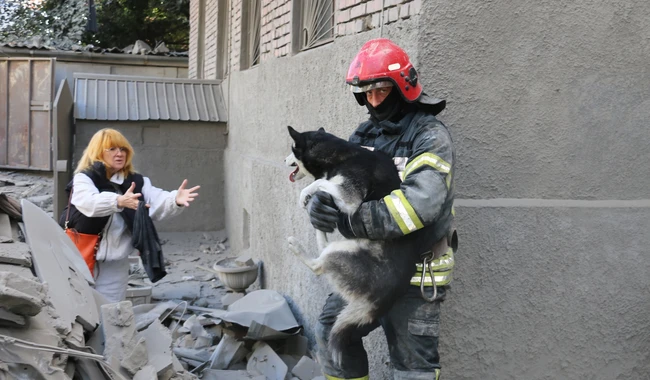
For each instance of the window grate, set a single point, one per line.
(317, 23)
(255, 31)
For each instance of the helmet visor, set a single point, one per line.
(371, 86)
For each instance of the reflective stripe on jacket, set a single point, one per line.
(423, 152)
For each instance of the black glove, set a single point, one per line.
(323, 213)
(351, 226)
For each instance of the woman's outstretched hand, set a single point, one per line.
(129, 199)
(185, 196)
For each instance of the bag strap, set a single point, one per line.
(67, 214)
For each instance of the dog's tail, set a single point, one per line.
(354, 315)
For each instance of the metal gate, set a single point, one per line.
(26, 94)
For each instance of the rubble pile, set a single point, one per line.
(35, 187)
(54, 325)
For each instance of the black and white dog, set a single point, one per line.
(369, 274)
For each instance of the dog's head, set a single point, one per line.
(306, 152)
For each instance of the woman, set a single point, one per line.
(106, 191)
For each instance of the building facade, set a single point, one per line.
(547, 105)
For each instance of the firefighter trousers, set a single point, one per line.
(412, 330)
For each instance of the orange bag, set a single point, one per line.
(87, 244)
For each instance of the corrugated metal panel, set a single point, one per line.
(119, 97)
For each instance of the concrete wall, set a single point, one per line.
(168, 152)
(547, 105)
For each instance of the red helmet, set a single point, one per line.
(381, 60)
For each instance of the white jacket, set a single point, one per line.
(116, 240)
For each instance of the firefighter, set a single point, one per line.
(402, 123)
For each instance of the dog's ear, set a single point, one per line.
(321, 129)
(295, 135)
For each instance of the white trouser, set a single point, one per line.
(112, 278)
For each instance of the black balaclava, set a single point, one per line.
(387, 115)
(390, 109)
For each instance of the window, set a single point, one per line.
(222, 38)
(251, 33)
(315, 25)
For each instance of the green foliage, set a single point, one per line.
(122, 22)
(56, 23)
(62, 23)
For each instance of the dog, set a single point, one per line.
(369, 274)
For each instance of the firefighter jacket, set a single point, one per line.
(424, 155)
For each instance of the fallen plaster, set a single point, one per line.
(21, 295)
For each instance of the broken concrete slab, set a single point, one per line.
(145, 314)
(290, 361)
(9, 319)
(245, 261)
(6, 234)
(69, 293)
(47, 234)
(306, 369)
(146, 373)
(192, 354)
(21, 295)
(118, 329)
(264, 306)
(135, 360)
(159, 348)
(75, 337)
(228, 352)
(16, 253)
(218, 374)
(264, 361)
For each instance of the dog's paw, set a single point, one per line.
(305, 197)
(294, 246)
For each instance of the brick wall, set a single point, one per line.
(350, 17)
(356, 16)
(235, 34)
(211, 23)
(194, 38)
(276, 28)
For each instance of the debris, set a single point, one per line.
(245, 261)
(228, 352)
(17, 253)
(230, 298)
(137, 359)
(21, 295)
(216, 374)
(159, 347)
(306, 369)
(264, 361)
(264, 306)
(60, 328)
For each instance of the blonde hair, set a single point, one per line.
(105, 139)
